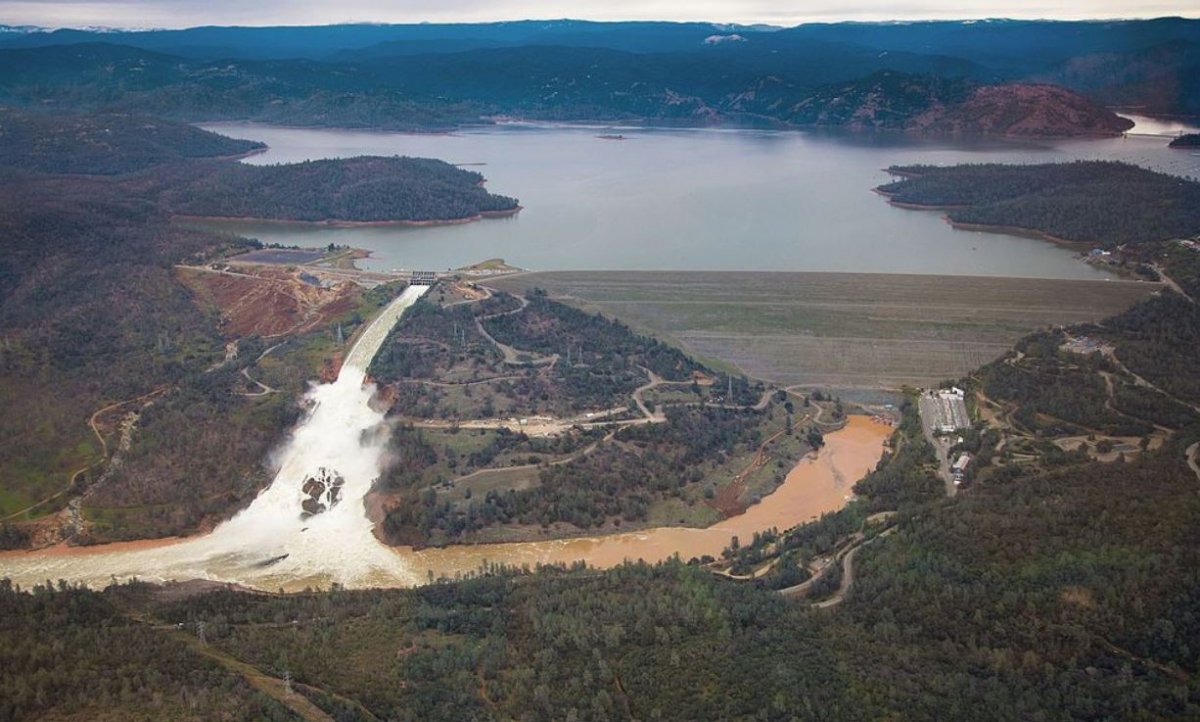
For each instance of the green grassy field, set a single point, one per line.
(498, 479)
(837, 329)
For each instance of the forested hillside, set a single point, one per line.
(441, 74)
(935, 104)
(1058, 595)
(504, 357)
(597, 361)
(73, 653)
(124, 413)
(1095, 202)
(826, 84)
(1004, 606)
(90, 314)
(613, 483)
(362, 189)
(104, 144)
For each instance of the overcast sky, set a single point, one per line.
(186, 13)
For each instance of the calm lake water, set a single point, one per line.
(693, 200)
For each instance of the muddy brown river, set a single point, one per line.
(272, 544)
(819, 483)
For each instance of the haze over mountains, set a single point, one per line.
(439, 75)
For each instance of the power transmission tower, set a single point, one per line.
(200, 633)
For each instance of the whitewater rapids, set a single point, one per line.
(270, 544)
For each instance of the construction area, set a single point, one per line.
(947, 410)
(943, 412)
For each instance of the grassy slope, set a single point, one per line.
(839, 329)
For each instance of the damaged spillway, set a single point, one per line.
(308, 528)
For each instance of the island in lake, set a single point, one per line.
(1187, 140)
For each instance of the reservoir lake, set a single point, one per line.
(695, 199)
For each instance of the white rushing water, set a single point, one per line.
(271, 543)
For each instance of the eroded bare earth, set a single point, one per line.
(269, 301)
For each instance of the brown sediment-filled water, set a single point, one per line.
(819, 483)
(272, 545)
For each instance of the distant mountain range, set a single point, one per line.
(909, 76)
(328, 42)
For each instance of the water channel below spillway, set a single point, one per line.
(272, 545)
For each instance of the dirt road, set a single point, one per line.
(654, 382)
(92, 424)
(845, 559)
(1193, 452)
(273, 687)
(512, 356)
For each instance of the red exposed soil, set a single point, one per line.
(1022, 109)
(728, 499)
(269, 301)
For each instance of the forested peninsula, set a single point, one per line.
(1099, 203)
(367, 189)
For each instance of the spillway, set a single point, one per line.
(273, 542)
(329, 463)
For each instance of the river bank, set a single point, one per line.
(819, 483)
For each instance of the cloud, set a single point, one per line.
(186, 13)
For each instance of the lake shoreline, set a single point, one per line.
(819, 483)
(734, 121)
(1021, 232)
(339, 223)
(602, 205)
(998, 229)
